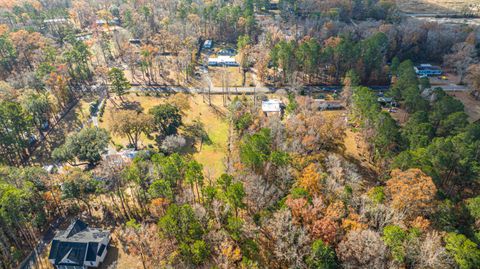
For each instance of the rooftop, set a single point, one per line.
(79, 231)
(428, 67)
(78, 243)
(272, 105)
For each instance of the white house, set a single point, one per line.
(79, 247)
(428, 70)
(274, 106)
(222, 61)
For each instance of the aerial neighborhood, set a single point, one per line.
(303, 134)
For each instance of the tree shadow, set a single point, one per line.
(132, 105)
(58, 132)
(111, 258)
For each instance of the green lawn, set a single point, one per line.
(212, 154)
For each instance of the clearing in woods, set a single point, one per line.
(211, 155)
(439, 6)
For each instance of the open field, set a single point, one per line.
(211, 155)
(439, 6)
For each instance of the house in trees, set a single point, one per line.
(387, 101)
(222, 61)
(273, 107)
(55, 21)
(208, 44)
(79, 247)
(428, 70)
(100, 22)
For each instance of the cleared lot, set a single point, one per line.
(439, 6)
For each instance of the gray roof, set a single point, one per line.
(77, 244)
(79, 231)
(385, 99)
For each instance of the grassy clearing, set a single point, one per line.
(211, 155)
(234, 76)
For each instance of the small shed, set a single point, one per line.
(208, 44)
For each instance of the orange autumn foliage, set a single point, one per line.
(232, 253)
(336, 210)
(411, 191)
(158, 206)
(420, 223)
(297, 206)
(58, 84)
(304, 213)
(352, 223)
(325, 229)
(3, 29)
(311, 180)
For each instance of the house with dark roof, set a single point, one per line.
(79, 247)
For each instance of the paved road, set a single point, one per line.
(452, 87)
(214, 90)
(242, 90)
(251, 90)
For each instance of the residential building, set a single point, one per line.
(79, 247)
(428, 70)
(273, 106)
(222, 61)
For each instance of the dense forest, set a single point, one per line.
(288, 193)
